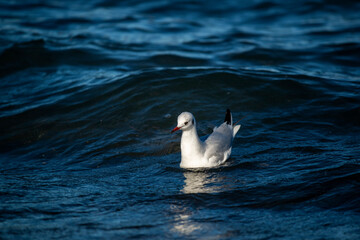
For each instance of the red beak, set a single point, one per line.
(175, 129)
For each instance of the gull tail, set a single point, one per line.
(228, 117)
(229, 121)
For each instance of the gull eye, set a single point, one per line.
(186, 123)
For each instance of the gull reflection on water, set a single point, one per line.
(204, 182)
(195, 182)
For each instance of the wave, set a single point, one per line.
(144, 106)
(89, 94)
(35, 54)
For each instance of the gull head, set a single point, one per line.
(186, 121)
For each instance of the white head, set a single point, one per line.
(185, 121)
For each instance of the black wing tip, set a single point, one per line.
(228, 117)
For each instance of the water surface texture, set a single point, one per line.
(90, 90)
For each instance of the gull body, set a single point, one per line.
(214, 151)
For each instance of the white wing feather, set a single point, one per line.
(218, 144)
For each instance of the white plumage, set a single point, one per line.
(214, 151)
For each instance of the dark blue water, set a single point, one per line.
(90, 90)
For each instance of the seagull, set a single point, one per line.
(214, 151)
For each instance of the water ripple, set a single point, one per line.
(90, 92)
